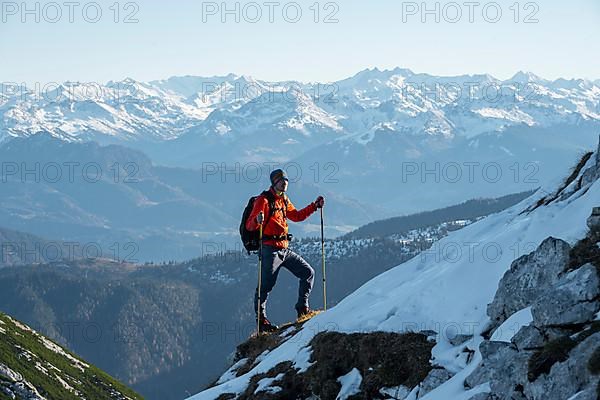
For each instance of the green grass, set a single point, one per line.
(92, 382)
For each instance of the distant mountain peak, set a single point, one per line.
(525, 76)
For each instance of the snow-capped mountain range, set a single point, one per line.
(386, 129)
(229, 106)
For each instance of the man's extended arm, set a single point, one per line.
(300, 215)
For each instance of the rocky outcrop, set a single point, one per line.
(556, 356)
(502, 366)
(384, 362)
(529, 277)
(592, 174)
(574, 300)
(567, 378)
(593, 222)
(435, 378)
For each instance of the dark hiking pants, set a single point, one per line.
(272, 261)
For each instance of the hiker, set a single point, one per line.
(275, 252)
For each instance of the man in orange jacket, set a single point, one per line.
(275, 252)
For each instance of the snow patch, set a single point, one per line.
(399, 392)
(301, 361)
(8, 373)
(232, 371)
(265, 383)
(350, 384)
(512, 325)
(58, 350)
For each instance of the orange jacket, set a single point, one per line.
(277, 224)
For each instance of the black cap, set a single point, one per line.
(276, 175)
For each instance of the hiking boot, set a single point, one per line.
(266, 326)
(304, 311)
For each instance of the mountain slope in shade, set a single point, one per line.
(35, 368)
(470, 209)
(443, 292)
(164, 212)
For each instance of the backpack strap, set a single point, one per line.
(271, 200)
(285, 201)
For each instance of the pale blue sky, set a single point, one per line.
(172, 39)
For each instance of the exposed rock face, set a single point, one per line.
(528, 338)
(435, 378)
(567, 378)
(593, 173)
(503, 366)
(593, 222)
(557, 356)
(529, 277)
(573, 301)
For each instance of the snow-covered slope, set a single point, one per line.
(447, 288)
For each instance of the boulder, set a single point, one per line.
(482, 396)
(502, 366)
(528, 338)
(567, 378)
(528, 278)
(574, 301)
(592, 173)
(588, 394)
(435, 378)
(593, 221)
(460, 339)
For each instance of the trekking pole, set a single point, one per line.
(323, 264)
(260, 234)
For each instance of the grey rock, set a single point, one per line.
(505, 368)
(598, 154)
(555, 332)
(460, 339)
(589, 176)
(560, 302)
(593, 222)
(502, 365)
(598, 157)
(572, 302)
(592, 173)
(482, 396)
(528, 338)
(528, 278)
(588, 394)
(567, 378)
(435, 378)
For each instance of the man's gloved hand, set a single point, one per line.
(260, 218)
(320, 202)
